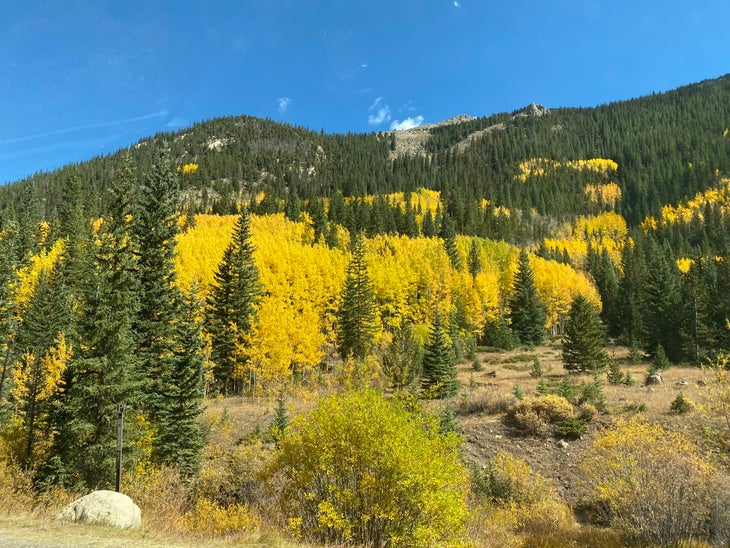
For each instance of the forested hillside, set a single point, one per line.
(241, 257)
(667, 146)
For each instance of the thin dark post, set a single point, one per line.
(120, 433)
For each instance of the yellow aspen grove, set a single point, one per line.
(200, 249)
(605, 231)
(539, 167)
(302, 284)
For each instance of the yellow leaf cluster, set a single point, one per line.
(606, 194)
(27, 276)
(530, 506)
(501, 211)
(636, 466)
(188, 168)
(364, 470)
(200, 249)
(599, 165)
(37, 381)
(214, 520)
(684, 264)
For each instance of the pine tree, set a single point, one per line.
(527, 313)
(662, 314)
(448, 234)
(615, 375)
(660, 361)
(429, 227)
(180, 438)
(8, 323)
(155, 232)
(583, 339)
(358, 313)
(280, 422)
(474, 261)
(105, 370)
(439, 366)
(232, 306)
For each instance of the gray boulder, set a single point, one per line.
(656, 378)
(103, 508)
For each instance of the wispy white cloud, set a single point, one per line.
(408, 123)
(284, 104)
(379, 112)
(456, 4)
(72, 129)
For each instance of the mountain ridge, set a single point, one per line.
(470, 159)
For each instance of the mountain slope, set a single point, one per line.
(668, 147)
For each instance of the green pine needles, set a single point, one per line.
(527, 313)
(439, 366)
(358, 314)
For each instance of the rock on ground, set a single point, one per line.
(103, 508)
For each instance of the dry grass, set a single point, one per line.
(484, 398)
(26, 531)
(620, 398)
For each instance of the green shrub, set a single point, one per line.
(681, 405)
(571, 429)
(363, 470)
(535, 415)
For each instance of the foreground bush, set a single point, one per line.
(518, 505)
(364, 470)
(535, 415)
(654, 486)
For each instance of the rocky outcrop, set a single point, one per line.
(107, 508)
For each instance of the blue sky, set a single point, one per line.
(82, 78)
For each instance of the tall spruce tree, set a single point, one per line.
(439, 364)
(358, 314)
(402, 359)
(583, 341)
(526, 311)
(105, 370)
(180, 439)
(474, 260)
(231, 305)
(8, 322)
(155, 232)
(448, 234)
(662, 313)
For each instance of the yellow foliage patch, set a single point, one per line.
(684, 212)
(606, 194)
(302, 283)
(605, 231)
(539, 167)
(27, 276)
(208, 518)
(188, 168)
(684, 264)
